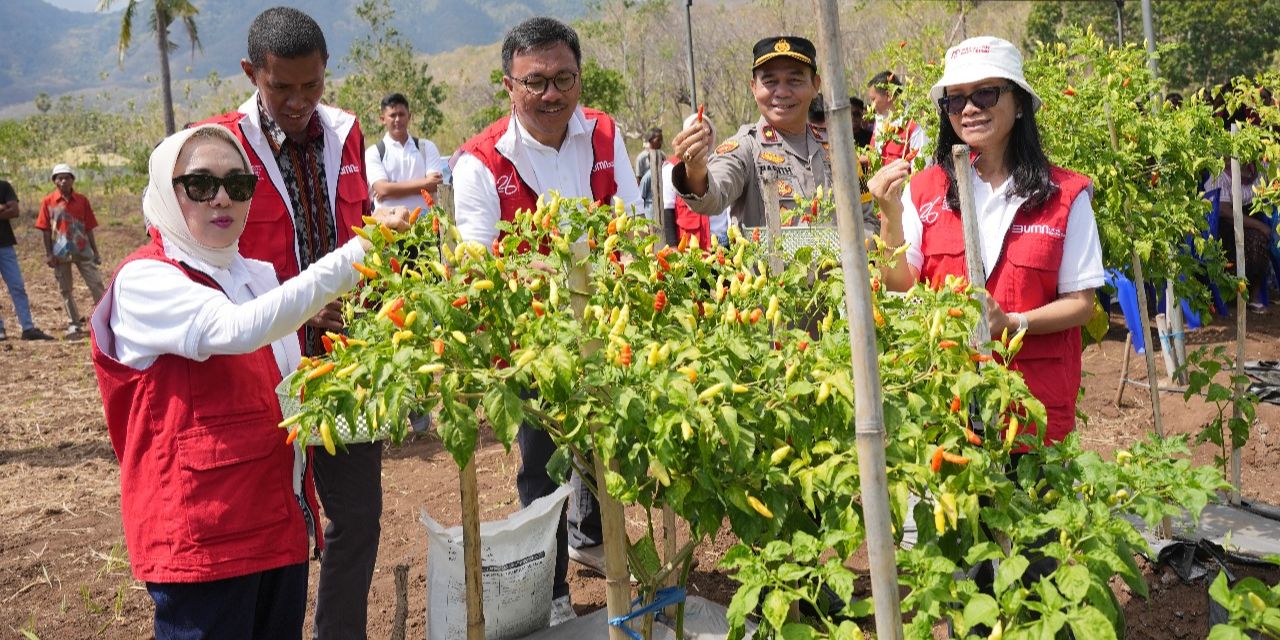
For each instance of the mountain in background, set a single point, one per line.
(56, 51)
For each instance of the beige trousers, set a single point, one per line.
(92, 277)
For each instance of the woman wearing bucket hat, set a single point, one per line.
(188, 344)
(1039, 241)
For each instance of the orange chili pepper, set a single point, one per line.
(426, 197)
(947, 344)
(973, 438)
(936, 463)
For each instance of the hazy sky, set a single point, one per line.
(76, 5)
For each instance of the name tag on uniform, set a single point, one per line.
(769, 156)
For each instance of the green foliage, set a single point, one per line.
(1229, 429)
(1204, 44)
(1251, 605)
(603, 89)
(382, 62)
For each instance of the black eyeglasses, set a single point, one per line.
(202, 187)
(537, 85)
(983, 98)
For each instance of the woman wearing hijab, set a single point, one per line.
(188, 346)
(1039, 241)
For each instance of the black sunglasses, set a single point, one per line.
(537, 85)
(202, 187)
(983, 98)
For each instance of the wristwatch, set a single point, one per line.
(1022, 321)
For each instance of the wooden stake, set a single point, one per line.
(471, 551)
(658, 211)
(1237, 223)
(401, 619)
(1124, 367)
(868, 399)
(612, 519)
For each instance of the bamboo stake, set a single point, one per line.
(669, 552)
(612, 519)
(1237, 223)
(1124, 368)
(1140, 284)
(400, 621)
(977, 270)
(869, 404)
(471, 550)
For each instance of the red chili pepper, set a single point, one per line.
(804, 344)
(702, 108)
(496, 247)
(935, 464)
(973, 438)
(395, 266)
(980, 357)
(755, 315)
(662, 262)
(396, 318)
(327, 342)
(720, 256)
(875, 284)
(755, 235)
(902, 44)
(1069, 91)
(343, 340)
(293, 435)
(955, 404)
(813, 208)
(1124, 83)
(413, 215)
(435, 225)
(955, 312)
(438, 347)
(538, 308)
(660, 301)
(395, 305)
(459, 302)
(624, 356)
(947, 344)
(426, 197)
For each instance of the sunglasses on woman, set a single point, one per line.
(202, 187)
(983, 98)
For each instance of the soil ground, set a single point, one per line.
(64, 570)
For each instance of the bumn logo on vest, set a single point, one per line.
(601, 166)
(1038, 229)
(348, 169)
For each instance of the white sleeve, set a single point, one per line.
(159, 310)
(625, 177)
(432, 155)
(668, 188)
(373, 169)
(475, 200)
(912, 229)
(1082, 249)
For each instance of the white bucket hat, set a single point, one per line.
(981, 58)
(61, 168)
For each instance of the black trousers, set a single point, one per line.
(267, 605)
(349, 486)
(580, 525)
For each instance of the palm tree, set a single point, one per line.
(163, 13)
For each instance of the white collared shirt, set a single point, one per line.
(154, 308)
(566, 170)
(1081, 250)
(402, 162)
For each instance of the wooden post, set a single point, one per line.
(1242, 302)
(401, 619)
(612, 519)
(1124, 367)
(669, 552)
(868, 403)
(657, 211)
(471, 550)
(976, 268)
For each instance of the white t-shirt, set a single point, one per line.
(566, 170)
(1081, 250)
(402, 162)
(153, 308)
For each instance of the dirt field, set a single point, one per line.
(64, 571)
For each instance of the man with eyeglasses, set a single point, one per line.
(309, 159)
(548, 142)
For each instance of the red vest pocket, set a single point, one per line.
(229, 486)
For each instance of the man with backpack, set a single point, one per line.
(400, 166)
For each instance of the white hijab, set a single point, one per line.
(160, 201)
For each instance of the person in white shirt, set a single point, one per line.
(190, 307)
(1040, 243)
(890, 136)
(548, 143)
(400, 166)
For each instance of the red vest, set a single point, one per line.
(1025, 278)
(206, 488)
(514, 194)
(896, 146)
(689, 222)
(269, 233)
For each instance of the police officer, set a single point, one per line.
(771, 162)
